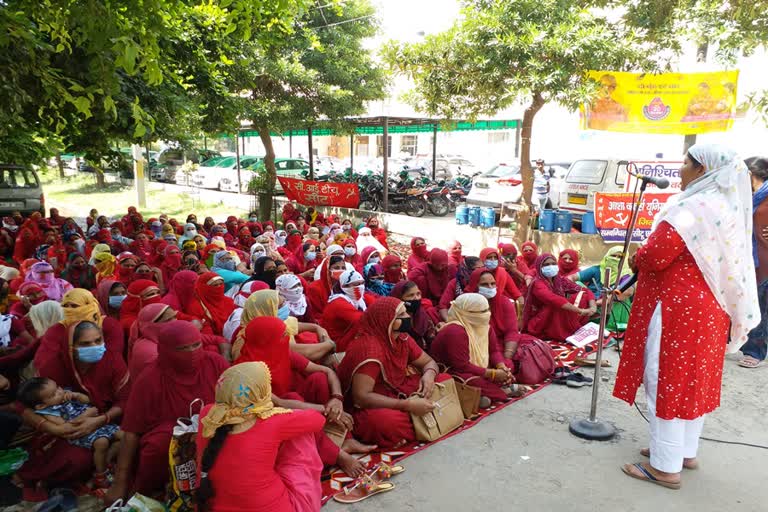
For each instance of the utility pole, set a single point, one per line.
(138, 175)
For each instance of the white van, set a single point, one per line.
(585, 177)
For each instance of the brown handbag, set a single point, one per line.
(469, 397)
(445, 418)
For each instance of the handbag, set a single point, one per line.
(534, 360)
(336, 433)
(469, 397)
(445, 418)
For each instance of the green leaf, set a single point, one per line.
(83, 105)
(129, 58)
(139, 131)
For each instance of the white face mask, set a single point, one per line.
(354, 292)
(550, 270)
(374, 260)
(487, 291)
(293, 295)
(350, 251)
(256, 255)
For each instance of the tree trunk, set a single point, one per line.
(60, 165)
(266, 196)
(526, 170)
(99, 172)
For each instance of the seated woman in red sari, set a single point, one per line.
(298, 383)
(506, 285)
(126, 266)
(378, 232)
(246, 429)
(568, 262)
(163, 393)
(210, 304)
(29, 294)
(433, 277)
(516, 267)
(320, 290)
(345, 308)
(556, 307)
(370, 256)
(455, 256)
(419, 253)
(468, 347)
(456, 285)
(502, 309)
(424, 316)
(140, 293)
(350, 254)
(374, 374)
(81, 362)
(303, 261)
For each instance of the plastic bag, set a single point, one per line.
(137, 503)
(182, 459)
(12, 460)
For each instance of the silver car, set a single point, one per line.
(20, 190)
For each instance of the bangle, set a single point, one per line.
(42, 420)
(338, 397)
(493, 374)
(427, 369)
(333, 345)
(106, 418)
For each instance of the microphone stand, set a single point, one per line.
(591, 428)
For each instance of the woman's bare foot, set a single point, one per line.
(350, 465)
(660, 476)
(352, 445)
(687, 463)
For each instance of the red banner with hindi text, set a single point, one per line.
(321, 193)
(613, 210)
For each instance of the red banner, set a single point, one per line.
(612, 212)
(320, 193)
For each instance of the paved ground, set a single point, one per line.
(523, 458)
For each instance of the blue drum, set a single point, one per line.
(588, 223)
(462, 214)
(547, 220)
(563, 221)
(487, 217)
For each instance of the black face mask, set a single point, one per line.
(405, 325)
(412, 306)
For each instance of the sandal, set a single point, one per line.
(577, 380)
(362, 488)
(585, 361)
(692, 465)
(647, 476)
(749, 362)
(383, 471)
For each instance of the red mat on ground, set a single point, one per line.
(334, 479)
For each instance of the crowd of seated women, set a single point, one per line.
(278, 328)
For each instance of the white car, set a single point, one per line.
(460, 167)
(502, 183)
(222, 175)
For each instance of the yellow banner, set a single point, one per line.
(671, 103)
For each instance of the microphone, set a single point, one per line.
(659, 182)
(626, 286)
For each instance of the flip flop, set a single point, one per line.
(646, 452)
(363, 488)
(750, 362)
(647, 476)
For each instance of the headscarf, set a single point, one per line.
(367, 252)
(611, 260)
(54, 287)
(146, 326)
(181, 290)
(80, 278)
(102, 293)
(393, 276)
(98, 249)
(105, 265)
(529, 257)
(379, 288)
(471, 311)
(376, 342)
(44, 315)
(454, 253)
(558, 284)
(566, 269)
(171, 263)
(421, 323)
(346, 279)
(266, 340)
(713, 215)
(246, 290)
(257, 248)
(260, 275)
(261, 303)
(134, 301)
(366, 239)
(243, 392)
(435, 281)
(28, 288)
(190, 232)
(496, 304)
(419, 254)
(87, 308)
(499, 273)
(216, 306)
(294, 297)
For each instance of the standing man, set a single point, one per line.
(540, 185)
(696, 285)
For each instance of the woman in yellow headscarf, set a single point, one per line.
(467, 348)
(270, 303)
(278, 446)
(105, 265)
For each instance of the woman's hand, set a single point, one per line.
(84, 426)
(345, 421)
(427, 384)
(322, 334)
(633, 263)
(308, 274)
(118, 491)
(419, 406)
(334, 409)
(585, 312)
(26, 302)
(4, 383)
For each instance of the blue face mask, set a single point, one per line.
(310, 256)
(374, 260)
(91, 354)
(491, 264)
(284, 312)
(377, 281)
(116, 301)
(227, 265)
(549, 271)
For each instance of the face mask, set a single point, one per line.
(354, 292)
(405, 325)
(326, 231)
(412, 306)
(116, 301)
(310, 256)
(292, 295)
(350, 251)
(91, 354)
(336, 274)
(487, 292)
(253, 219)
(550, 270)
(283, 312)
(491, 264)
(257, 254)
(80, 245)
(10, 227)
(227, 265)
(374, 260)
(346, 227)
(377, 282)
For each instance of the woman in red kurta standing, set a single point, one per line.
(695, 278)
(556, 307)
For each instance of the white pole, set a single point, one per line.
(138, 175)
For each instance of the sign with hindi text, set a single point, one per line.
(321, 193)
(668, 103)
(613, 210)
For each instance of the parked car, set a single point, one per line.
(222, 175)
(20, 190)
(286, 167)
(502, 183)
(170, 160)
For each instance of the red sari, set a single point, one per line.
(509, 250)
(503, 311)
(544, 316)
(567, 269)
(164, 391)
(170, 264)
(690, 368)
(503, 282)
(107, 383)
(433, 277)
(319, 291)
(133, 303)
(419, 255)
(211, 304)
